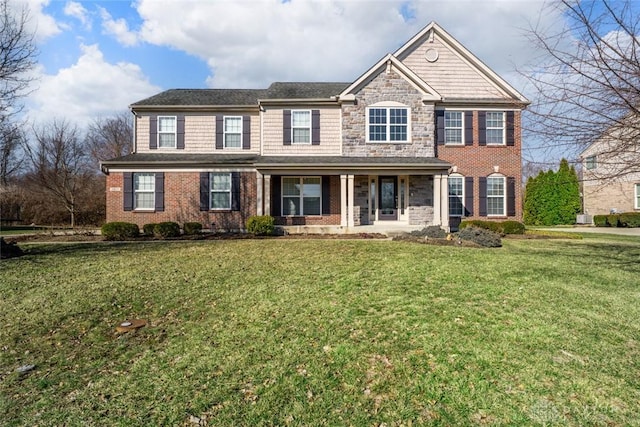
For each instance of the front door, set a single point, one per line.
(388, 202)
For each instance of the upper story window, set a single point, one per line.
(456, 195)
(496, 196)
(301, 127)
(495, 128)
(388, 124)
(144, 185)
(591, 162)
(233, 132)
(220, 186)
(166, 132)
(453, 126)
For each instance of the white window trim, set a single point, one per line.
(301, 195)
(153, 192)
(462, 196)
(224, 132)
(388, 106)
(504, 196)
(504, 128)
(637, 198)
(211, 191)
(462, 128)
(174, 133)
(293, 142)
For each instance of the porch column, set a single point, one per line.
(267, 194)
(444, 201)
(343, 200)
(436, 200)
(259, 193)
(350, 220)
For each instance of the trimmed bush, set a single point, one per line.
(600, 220)
(629, 219)
(191, 228)
(481, 236)
(432, 232)
(119, 230)
(149, 229)
(500, 227)
(261, 225)
(613, 220)
(167, 229)
(512, 227)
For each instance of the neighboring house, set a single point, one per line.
(427, 135)
(611, 172)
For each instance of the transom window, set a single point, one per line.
(591, 162)
(496, 196)
(301, 127)
(388, 124)
(456, 195)
(301, 195)
(453, 127)
(144, 185)
(166, 132)
(220, 186)
(233, 132)
(495, 127)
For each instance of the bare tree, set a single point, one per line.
(11, 159)
(588, 83)
(59, 163)
(110, 137)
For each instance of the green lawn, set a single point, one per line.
(323, 332)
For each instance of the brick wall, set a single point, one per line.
(182, 202)
(477, 161)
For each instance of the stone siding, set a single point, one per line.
(420, 200)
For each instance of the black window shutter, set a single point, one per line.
(180, 133)
(286, 127)
(159, 192)
(153, 132)
(219, 132)
(204, 191)
(468, 196)
(276, 184)
(468, 128)
(482, 127)
(315, 127)
(511, 140)
(246, 132)
(511, 196)
(440, 126)
(128, 190)
(235, 191)
(326, 196)
(483, 196)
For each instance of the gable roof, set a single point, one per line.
(434, 29)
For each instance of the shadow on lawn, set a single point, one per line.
(88, 248)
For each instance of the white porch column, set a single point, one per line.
(343, 200)
(350, 220)
(444, 201)
(436, 199)
(267, 194)
(259, 193)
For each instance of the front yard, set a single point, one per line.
(322, 332)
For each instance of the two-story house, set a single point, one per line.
(426, 136)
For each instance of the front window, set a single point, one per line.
(456, 196)
(591, 162)
(144, 190)
(453, 127)
(637, 196)
(301, 127)
(495, 127)
(388, 124)
(495, 196)
(166, 132)
(220, 186)
(233, 132)
(301, 195)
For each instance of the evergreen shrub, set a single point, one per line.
(191, 228)
(600, 220)
(149, 229)
(119, 230)
(167, 229)
(261, 225)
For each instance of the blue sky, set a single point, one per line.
(97, 57)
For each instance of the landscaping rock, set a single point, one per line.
(9, 249)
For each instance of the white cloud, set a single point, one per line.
(88, 89)
(41, 24)
(117, 28)
(76, 10)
